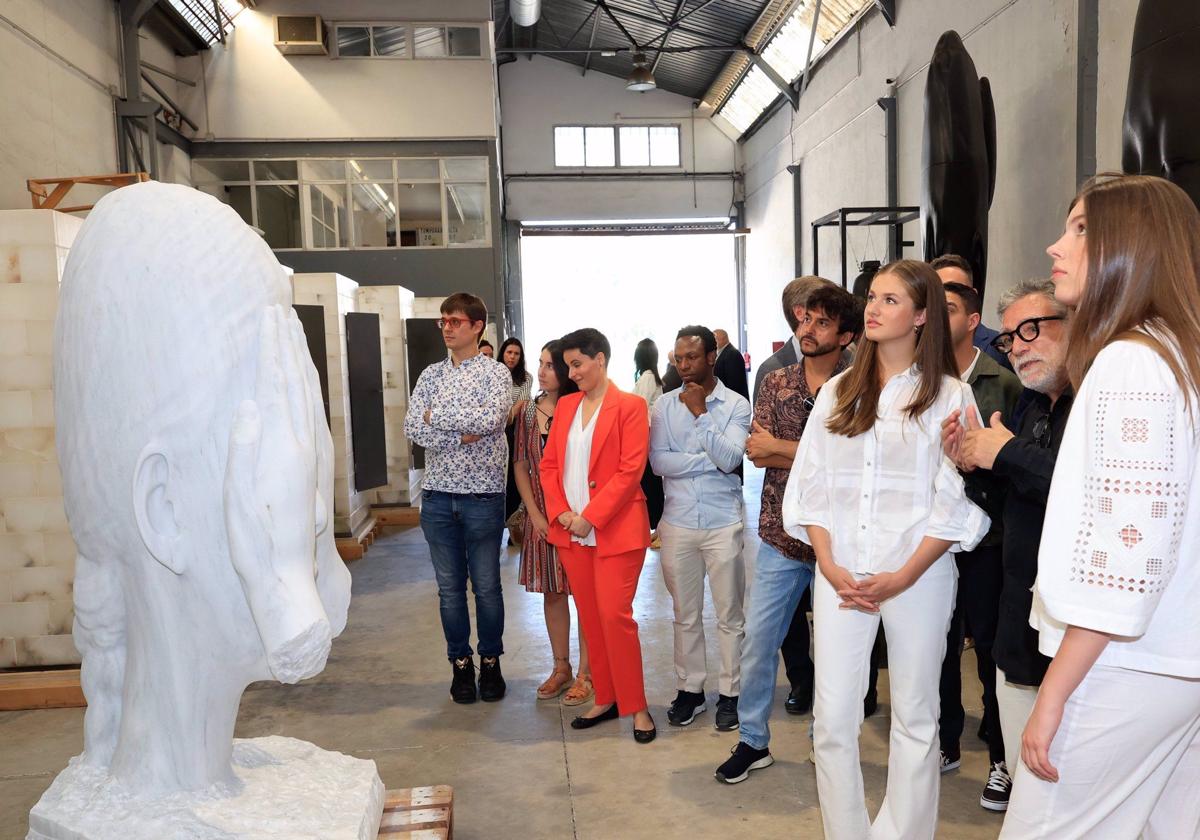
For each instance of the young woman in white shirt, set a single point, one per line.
(1112, 748)
(882, 507)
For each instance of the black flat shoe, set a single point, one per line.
(645, 736)
(582, 722)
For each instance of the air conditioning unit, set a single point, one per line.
(300, 35)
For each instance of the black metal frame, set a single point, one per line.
(893, 217)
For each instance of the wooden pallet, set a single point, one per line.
(40, 690)
(401, 515)
(421, 813)
(354, 547)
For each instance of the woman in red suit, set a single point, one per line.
(591, 476)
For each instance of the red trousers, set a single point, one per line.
(604, 588)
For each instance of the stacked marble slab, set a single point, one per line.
(37, 554)
(393, 305)
(337, 295)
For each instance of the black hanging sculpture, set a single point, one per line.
(958, 157)
(1162, 110)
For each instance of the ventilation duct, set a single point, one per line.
(525, 12)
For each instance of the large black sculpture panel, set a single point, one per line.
(1162, 103)
(958, 157)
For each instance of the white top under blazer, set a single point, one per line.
(576, 463)
(1120, 552)
(880, 493)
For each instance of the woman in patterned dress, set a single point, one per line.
(541, 570)
(512, 356)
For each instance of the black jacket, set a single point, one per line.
(731, 370)
(1027, 463)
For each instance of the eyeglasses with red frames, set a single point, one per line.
(453, 323)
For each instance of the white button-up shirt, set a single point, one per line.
(880, 493)
(575, 468)
(1120, 549)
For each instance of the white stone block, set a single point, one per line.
(46, 650)
(8, 653)
(286, 788)
(27, 445)
(18, 479)
(34, 514)
(16, 407)
(19, 373)
(18, 551)
(12, 336)
(39, 264)
(59, 550)
(62, 617)
(27, 619)
(39, 583)
(28, 301)
(19, 227)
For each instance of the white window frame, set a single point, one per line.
(617, 164)
(346, 182)
(409, 41)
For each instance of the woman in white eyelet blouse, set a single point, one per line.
(1112, 747)
(882, 507)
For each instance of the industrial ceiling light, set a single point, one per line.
(641, 79)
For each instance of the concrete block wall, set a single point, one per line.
(337, 294)
(393, 304)
(37, 554)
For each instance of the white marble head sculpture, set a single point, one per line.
(197, 473)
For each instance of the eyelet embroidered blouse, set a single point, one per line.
(1120, 552)
(880, 493)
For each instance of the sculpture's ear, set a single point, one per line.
(153, 509)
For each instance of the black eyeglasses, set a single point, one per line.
(1041, 432)
(1028, 330)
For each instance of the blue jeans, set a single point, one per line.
(463, 532)
(778, 583)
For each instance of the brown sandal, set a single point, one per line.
(555, 684)
(580, 692)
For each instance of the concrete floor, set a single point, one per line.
(517, 768)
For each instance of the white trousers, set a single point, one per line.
(1015, 703)
(917, 621)
(688, 554)
(1128, 759)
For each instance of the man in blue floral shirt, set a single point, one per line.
(457, 412)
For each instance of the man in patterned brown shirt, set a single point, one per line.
(784, 567)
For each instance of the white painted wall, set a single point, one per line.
(1027, 48)
(538, 94)
(252, 91)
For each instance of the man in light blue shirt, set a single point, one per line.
(697, 441)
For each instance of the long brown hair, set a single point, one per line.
(857, 405)
(1143, 251)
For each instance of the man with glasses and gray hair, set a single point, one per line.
(1034, 337)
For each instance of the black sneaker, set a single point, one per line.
(799, 702)
(462, 689)
(999, 786)
(742, 760)
(949, 761)
(491, 681)
(727, 716)
(870, 704)
(687, 705)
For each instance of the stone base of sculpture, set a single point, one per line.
(285, 788)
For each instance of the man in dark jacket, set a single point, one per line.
(1034, 337)
(980, 576)
(731, 365)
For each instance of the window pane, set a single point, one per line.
(353, 41)
(568, 145)
(390, 40)
(465, 169)
(236, 197)
(599, 150)
(327, 202)
(205, 171)
(429, 42)
(417, 169)
(275, 170)
(635, 145)
(279, 215)
(323, 170)
(420, 214)
(464, 40)
(374, 215)
(371, 170)
(465, 207)
(664, 145)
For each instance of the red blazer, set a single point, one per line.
(620, 444)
